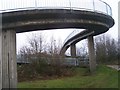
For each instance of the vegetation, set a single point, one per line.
(41, 70)
(46, 68)
(44, 60)
(107, 50)
(103, 78)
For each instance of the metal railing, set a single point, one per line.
(89, 5)
(75, 32)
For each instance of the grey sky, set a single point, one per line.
(114, 5)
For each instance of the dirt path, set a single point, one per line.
(117, 67)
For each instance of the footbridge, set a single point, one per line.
(17, 16)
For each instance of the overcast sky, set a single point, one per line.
(62, 34)
(114, 5)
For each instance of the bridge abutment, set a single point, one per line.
(8, 59)
(73, 50)
(91, 50)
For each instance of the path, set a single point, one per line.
(117, 67)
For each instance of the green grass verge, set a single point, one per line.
(104, 77)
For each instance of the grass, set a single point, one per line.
(104, 77)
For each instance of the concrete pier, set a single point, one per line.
(73, 50)
(91, 50)
(8, 58)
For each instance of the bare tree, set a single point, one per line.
(38, 48)
(100, 48)
(37, 43)
(54, 46)
(106, 49)
(82, 49)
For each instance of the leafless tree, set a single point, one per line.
(37, 47)
(106, 49)
(37, 43)
(54, 46)
(82, 49)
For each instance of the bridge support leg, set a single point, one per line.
(92, 60)
(73, 50)
(8, 58)
(63, 52)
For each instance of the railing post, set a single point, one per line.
(110, 11)
(93, 5)
(106, 9)
(70, 5)
(36, 4)
(119, 20)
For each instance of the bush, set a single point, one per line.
(40, 69)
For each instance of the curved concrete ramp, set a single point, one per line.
(31, 20)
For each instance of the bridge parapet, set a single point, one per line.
(87, 5)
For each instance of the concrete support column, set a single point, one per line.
(8, 58)
(73, 50)
(62, 52)
(91, 50)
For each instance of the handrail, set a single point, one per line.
(73, 33)
(89, 5)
